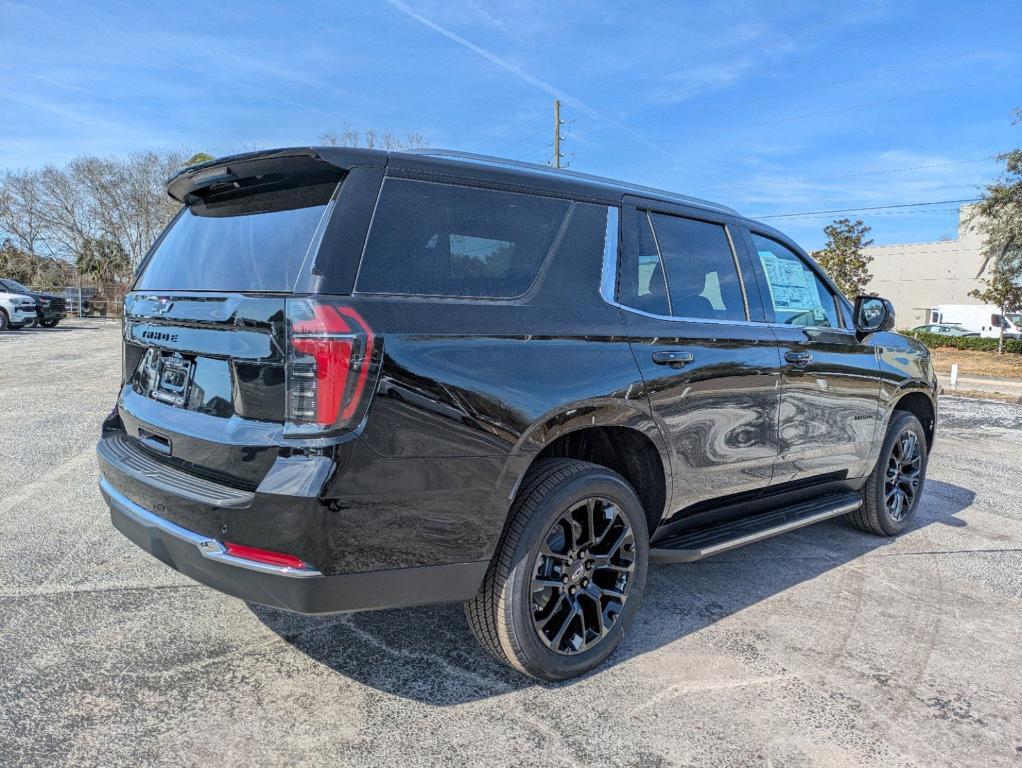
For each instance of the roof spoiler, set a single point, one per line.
(311, 162)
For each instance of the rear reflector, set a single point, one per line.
(329, 366)
(264, 556)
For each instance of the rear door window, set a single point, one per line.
(702, 275)
(430, 239)
(249, 242)
(685, 268)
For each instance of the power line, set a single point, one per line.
(859, 105)
(516, 142)
(786, 182)
(869, 208)
(535, 116)
(862, 76)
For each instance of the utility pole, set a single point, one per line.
(557, 133)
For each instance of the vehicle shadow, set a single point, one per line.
(429, 654)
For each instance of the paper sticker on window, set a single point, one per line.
(792, 287)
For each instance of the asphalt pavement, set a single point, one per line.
(823, 647)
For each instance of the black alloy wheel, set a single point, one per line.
(581, 579)
(894, 487)
(904, 473)
(567, 578)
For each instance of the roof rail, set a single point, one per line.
(546, 169)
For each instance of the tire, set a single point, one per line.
(4, 320)
(522, 623)
(49, 323)
(877, 515)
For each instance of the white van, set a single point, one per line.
(985, 319)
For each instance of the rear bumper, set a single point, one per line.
(302, 590)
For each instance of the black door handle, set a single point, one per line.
(799, 358)
(665, 357)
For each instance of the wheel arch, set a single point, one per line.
(920, 404)
(620, 436)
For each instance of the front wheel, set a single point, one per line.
(892, 492)
(568, 574)
(49, 323)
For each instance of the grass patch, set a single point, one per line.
(975, 363)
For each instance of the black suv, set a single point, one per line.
(355, 379)
(50, 308)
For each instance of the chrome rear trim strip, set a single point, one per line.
(210, 548)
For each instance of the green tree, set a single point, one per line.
(199, 157)
(103, 259)
(842, 257)
(998, 216)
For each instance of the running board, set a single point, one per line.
(695, 545)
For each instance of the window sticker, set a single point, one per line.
(792, 288)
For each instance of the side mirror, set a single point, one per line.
(873, 314)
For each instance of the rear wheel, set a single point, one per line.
(892, 493)
(49, 323)
(568, 574)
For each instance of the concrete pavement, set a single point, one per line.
(823, 647)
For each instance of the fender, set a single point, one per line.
(603, 412)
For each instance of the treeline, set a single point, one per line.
(93, 218)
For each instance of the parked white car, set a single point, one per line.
(16, 310)
(984, 319)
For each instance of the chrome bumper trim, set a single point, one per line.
(211, 549)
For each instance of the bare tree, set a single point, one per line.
(372, 139)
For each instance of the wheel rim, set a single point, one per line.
(583, 576)
(904, 471)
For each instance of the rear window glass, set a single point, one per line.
(251, 242)
(431, 239)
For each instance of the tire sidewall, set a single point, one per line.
(899, 423)
(605, 484)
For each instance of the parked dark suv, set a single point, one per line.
(355, 379)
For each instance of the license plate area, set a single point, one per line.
(173, 379)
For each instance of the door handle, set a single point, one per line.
(665, 357)
(800, 359)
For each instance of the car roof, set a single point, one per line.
(441, 164)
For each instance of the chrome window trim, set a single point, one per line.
(608, 277)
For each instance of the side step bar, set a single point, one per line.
(703, 542)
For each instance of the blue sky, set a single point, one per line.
(774, 108)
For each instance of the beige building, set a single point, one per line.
(918, 276)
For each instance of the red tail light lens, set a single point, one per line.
(264, 556)
(330, 366)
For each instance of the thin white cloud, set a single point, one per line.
(525, 76)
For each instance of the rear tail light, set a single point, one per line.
(331, 366)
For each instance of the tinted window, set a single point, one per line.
(702, 279)
(254, 242)
(642, 283)
(442, 240)
(799, 297)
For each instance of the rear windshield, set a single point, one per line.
(249, 242)
(430, 239)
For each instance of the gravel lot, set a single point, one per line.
(823, 647)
